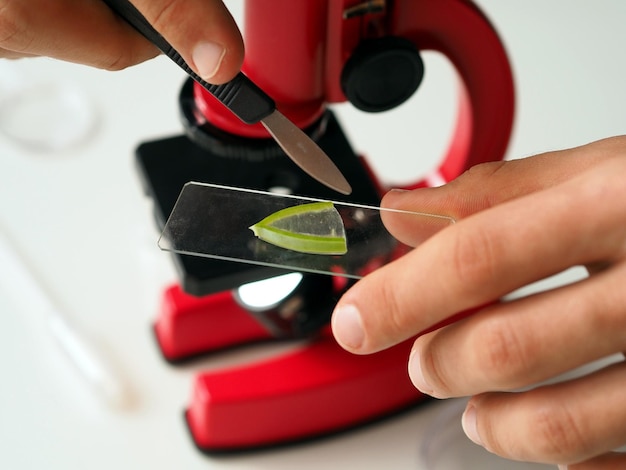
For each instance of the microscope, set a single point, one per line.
(307, 55)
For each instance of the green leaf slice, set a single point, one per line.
(314, 228)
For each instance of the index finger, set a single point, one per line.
(489, 184)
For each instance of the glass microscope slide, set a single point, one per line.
(290, 232)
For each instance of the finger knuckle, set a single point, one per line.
(555, 434)
(165, 13)
(502, 353)
(473, 180)
(474, 256)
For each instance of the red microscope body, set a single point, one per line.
(307, 54)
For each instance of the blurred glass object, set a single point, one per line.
(43, 115)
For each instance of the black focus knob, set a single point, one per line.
(382, 73)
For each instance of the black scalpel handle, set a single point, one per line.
(246, 100)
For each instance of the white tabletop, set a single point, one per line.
(79, 218)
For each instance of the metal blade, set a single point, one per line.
(305, 153)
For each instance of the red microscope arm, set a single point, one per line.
(461, 32)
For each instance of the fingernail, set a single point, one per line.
(468, 421)
(399, 190)
(207, 57)
(347, 326)
(563, 467)
(416, 374)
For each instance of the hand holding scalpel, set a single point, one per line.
(250, 104)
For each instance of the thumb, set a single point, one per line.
(202, 31)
